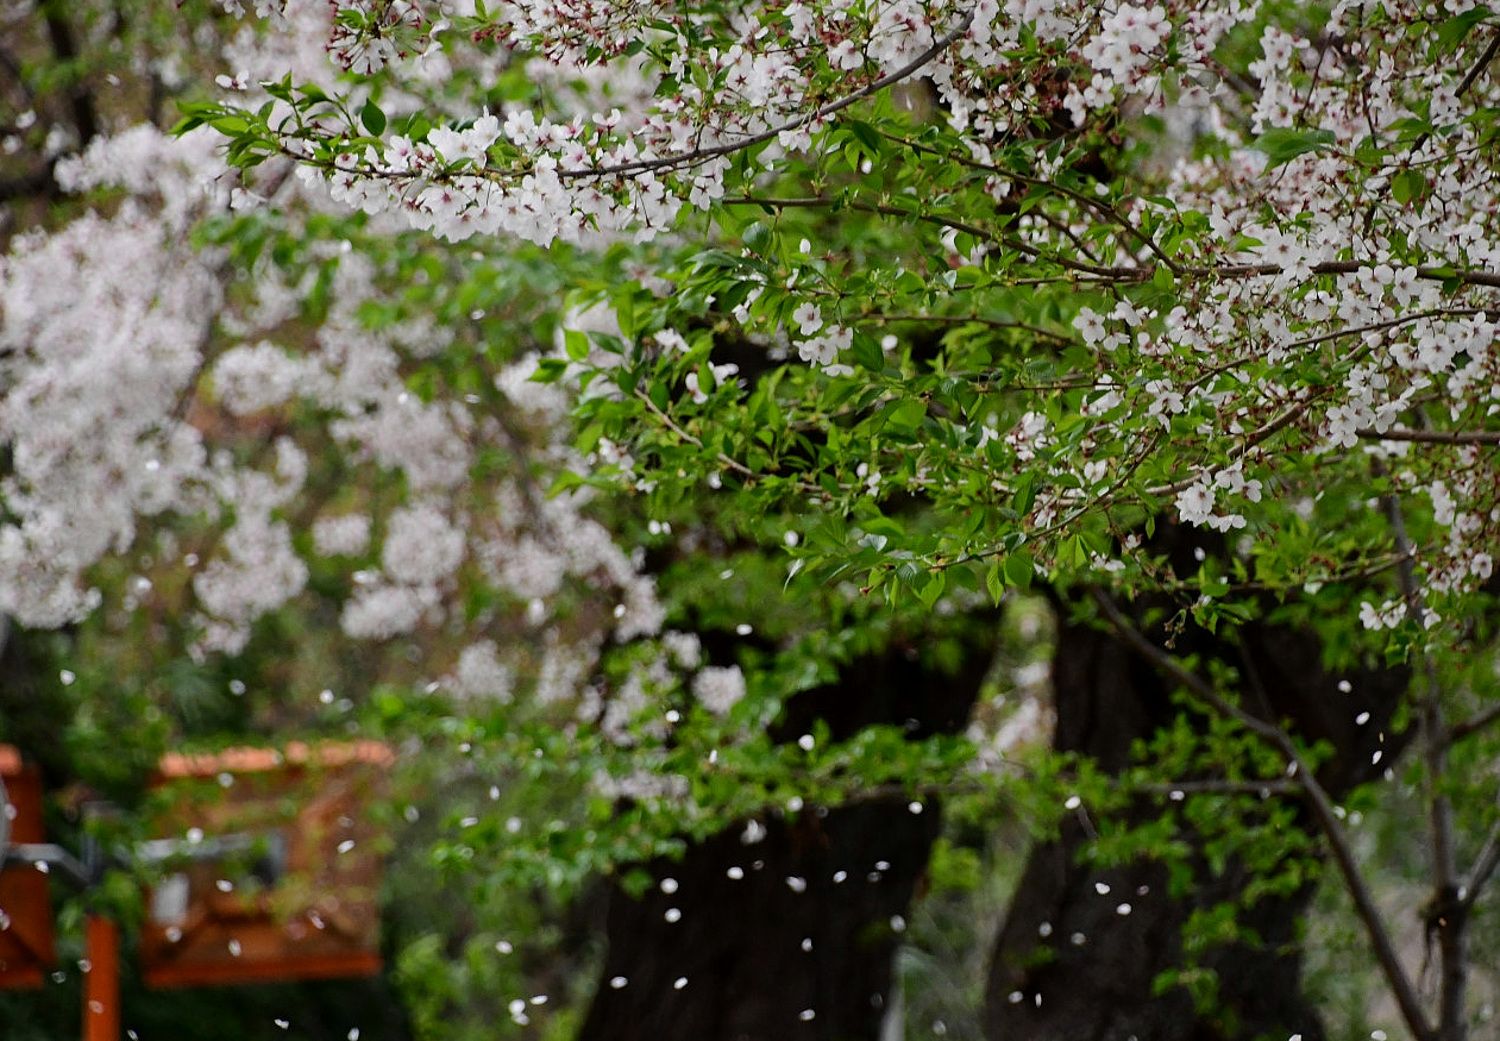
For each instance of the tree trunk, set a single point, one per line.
(787, 926)
(1067, 963)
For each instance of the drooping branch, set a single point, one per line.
(701, 155)
(1447, 916)
(1317, 799)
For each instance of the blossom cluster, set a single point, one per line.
(1323, 303)
(605, 171)
(146, 377)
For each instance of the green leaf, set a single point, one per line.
(563, 482)
(868, 353)
(1025, 493)
(907, 416)
(1073, 552)
(994, 581)
(576, 344)
(757, 236)
(549, 370)
(1454, 31)
(933, 589)
(1283, 144)
(1019, 570)
(372, 118)
(868, 137)
(1408, 185)
(230, 126)
(625, 312)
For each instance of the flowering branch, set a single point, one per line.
(699, 155)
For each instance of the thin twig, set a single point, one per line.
(701, 154)
(1434, 437)
(885, 209)
(1475, 723)
(733, 464)
(1468, 81)
(965, 319)
(1079, 197)
(1484, 867)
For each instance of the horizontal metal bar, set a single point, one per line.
(217, 847)
(49, 855)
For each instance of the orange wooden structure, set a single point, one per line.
(301, 818)
(26, 938)
(101, 984)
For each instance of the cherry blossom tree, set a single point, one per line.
(505, 328)
(295, 414)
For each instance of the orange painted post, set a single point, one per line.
(101, 988)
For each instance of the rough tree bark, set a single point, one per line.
(765, 959)
(1067, 964)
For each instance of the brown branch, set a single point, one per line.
(1353, 330)
(1446, 916)
(65, 48)
(699, 155)
(1434, 437)
(1468, 81)
(1145, 273)
(1271, 427)
(1473, 725)
(1079, 197)
(1346, 267)
(1484, 866)
(1317, 799)
(965, 319)
(1479, 66)
(814, 202)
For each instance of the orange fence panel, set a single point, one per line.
(26, 938)
(298, 821)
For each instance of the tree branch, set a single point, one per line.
(1484, 867)
(1099, 205)
(1317, 799)
(1475, 723)
(1434, 437)
(60, 35)
(1468, 81)
(812, 202)
(1447, 915)
(699, 155)
(733, 464)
